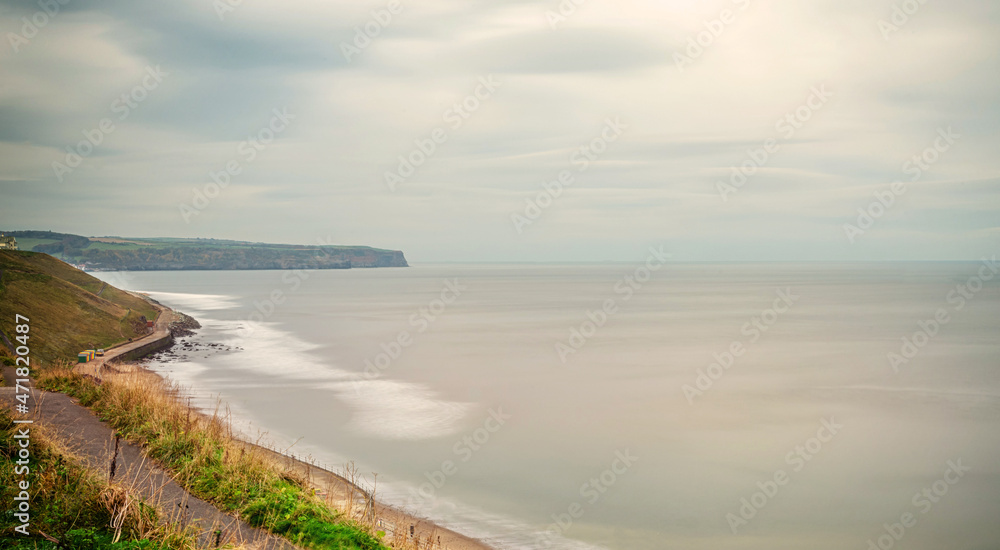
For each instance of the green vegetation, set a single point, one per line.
(138, 254)
(65, 313)
(205, 458)
(96, 245)
(26, 243)
(75, 507)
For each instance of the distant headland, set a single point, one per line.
(164, 254)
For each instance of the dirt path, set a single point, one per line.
(93, 441)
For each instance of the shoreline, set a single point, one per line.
(338, 491)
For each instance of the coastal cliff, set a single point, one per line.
(205, 258)
(163, 254)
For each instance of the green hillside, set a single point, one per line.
(139, 254)
(66, 314)
(70, 310)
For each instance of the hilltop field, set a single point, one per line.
(149, 254)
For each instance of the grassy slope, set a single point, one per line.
(66, 314)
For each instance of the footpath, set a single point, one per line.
(93, 442)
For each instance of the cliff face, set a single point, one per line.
(384, 258)
(193, 258)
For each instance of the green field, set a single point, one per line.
(95, 245)
(95, 253)
(25, 243)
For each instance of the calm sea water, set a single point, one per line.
(573, 406)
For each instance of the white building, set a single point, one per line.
(7, 243)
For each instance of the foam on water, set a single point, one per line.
(192, 302)
(276, 353)
(381, 408)
(390, 409)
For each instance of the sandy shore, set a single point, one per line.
(340, 493)
(403, 530)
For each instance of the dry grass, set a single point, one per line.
(77, 507)
(203, 456)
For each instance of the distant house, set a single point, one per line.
(7, 243)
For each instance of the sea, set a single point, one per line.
(623, 406)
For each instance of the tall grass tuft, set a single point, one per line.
(72, 507)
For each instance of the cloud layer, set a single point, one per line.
(700, 88)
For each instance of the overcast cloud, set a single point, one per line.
(874, 97)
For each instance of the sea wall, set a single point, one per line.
(155, 344)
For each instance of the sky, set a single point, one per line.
(580, 130)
